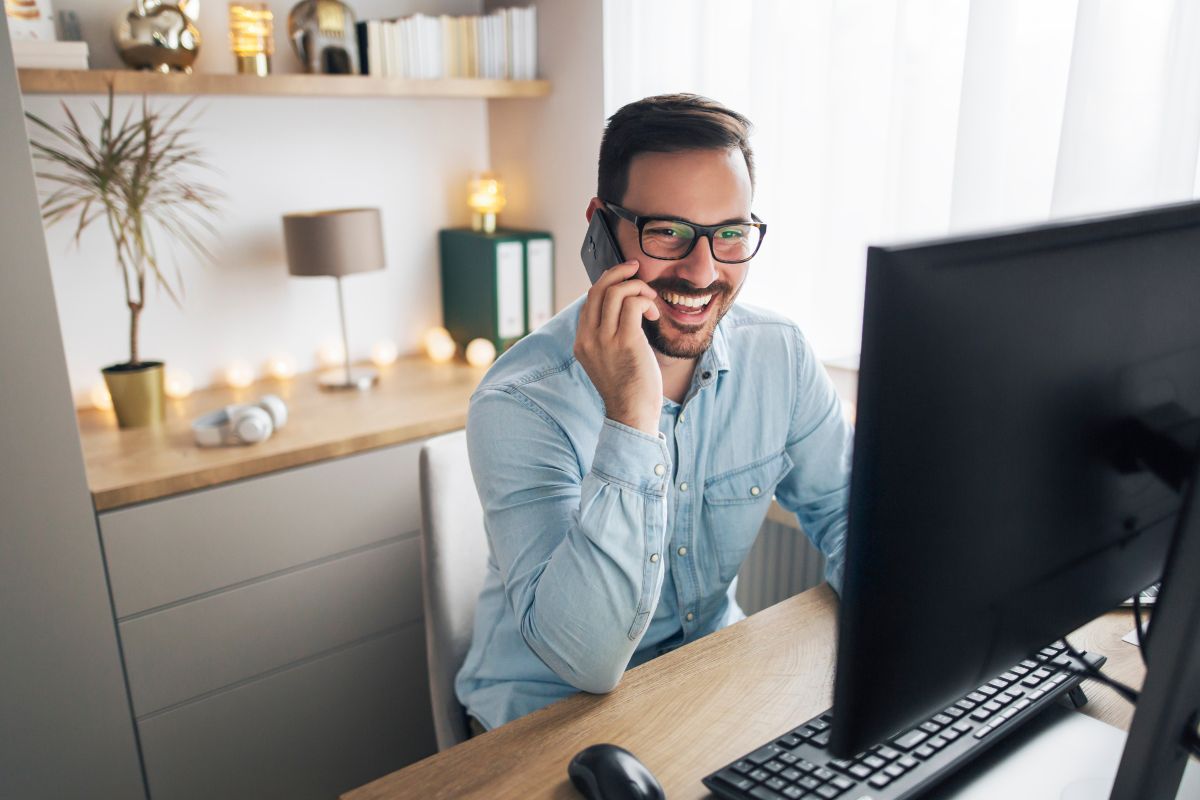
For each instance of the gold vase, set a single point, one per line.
(137, 393)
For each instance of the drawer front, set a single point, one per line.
(176, 548)
(313, 731)
(193, 648)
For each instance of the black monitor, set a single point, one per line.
(1028, 405)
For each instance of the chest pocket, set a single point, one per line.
(735, 503)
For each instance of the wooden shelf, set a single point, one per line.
(96, 81)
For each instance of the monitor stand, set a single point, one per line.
(1060, 755)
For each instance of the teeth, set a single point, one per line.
(690, 302)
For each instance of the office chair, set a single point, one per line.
(454, 554)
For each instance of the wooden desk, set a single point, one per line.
(696, 709)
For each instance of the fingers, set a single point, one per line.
(589, 316)
(616, 298)
(632, 312)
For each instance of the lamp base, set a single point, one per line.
(337, 379)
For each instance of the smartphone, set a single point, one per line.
(600, 250)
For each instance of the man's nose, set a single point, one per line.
(699, 268)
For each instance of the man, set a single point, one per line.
(626, 452)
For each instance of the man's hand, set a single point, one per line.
(614, 351)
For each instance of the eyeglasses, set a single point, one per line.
(670, 239)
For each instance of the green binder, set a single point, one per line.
(496, 286)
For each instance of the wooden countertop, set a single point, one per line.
(696, 708)
(413, 399)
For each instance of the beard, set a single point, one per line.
(693, 341)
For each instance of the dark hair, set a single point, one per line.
(668, 123)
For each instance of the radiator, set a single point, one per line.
(782, 563)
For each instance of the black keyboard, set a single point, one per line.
(798, 766)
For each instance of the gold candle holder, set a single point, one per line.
(485, 196)
(252, 37)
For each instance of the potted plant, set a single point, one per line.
(131, 177)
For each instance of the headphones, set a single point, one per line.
(241, 423)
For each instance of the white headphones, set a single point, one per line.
(240, 423)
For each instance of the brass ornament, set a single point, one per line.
(158, 36)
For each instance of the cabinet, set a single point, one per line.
(272, 629)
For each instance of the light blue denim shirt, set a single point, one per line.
(608, 546)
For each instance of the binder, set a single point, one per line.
(494, 285)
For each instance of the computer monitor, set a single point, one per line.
(999, 496)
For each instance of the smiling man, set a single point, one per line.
(626, 453)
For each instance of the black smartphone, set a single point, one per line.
(600, 250)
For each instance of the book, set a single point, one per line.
(43, 54)
(30, 20)
(500, 45)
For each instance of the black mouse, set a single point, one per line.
(608, 772)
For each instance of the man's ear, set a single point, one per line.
(596, 203)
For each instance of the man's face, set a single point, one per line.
(707, 187)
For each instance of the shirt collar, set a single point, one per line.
(715, 359)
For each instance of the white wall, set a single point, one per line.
(410, 157)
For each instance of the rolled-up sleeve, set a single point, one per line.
(820, 445)
(580, 555)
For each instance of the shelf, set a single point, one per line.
(96, 81)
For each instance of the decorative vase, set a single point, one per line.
(137, 393)
(324, 36)
(158, 36)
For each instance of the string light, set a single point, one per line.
(480, 353)
(281, 367)
(439, 346)
(100, 397)
(331, 354)
(384, 352)
(178, 384)
(239, 375)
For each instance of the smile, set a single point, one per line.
(686, 304)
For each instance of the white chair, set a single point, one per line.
(453, 565)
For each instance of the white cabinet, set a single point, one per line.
(272, 629)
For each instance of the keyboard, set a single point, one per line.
(797, 765)
(1147, 597)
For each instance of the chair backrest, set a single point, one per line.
(453, 565)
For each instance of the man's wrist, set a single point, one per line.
(645, 423)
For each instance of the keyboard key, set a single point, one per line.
(774, 766)
(998, 683)
(941, 719)
(1037, 694)
(911, 739)
(788, 758)
(1023, 704)
(887, 754)
(950, 734)
(954, 712)
(821, 740)
(764, 754)
(881, 780)
(1029, 663)
(976, 697)
(874, 762)
(1020, 670)
(803, 733)
(840, 763)
(993, 706)
(908, 762)
(794, 793)
(828, 791)
(989, 691)
(776, 783)
(1009, 713)
(982, 731)
(930, 727)
(861, 772)
(744, 767)
(895, 770)
(763, 793)
(980, 714)
(1031, 680)
(791, 775)
(760, 775)
(808, 782)
(735, 780)
(1009, 676)
(842, 783)
(805, 766)
(938, 742)
(819, 725)
(963, 727)
(789, 741)
(823, 774)
(924, 751)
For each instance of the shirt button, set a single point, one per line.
(682, 551)
(755, 491)
(683, 486)
(690, 616)
(681, 419)
(659, 469)
(654, 558)
(706, 375)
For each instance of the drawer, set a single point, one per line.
(312, 731)
(197, 647)
(180, 547)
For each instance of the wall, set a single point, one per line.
(65, 724)
(546, 149)
(410, 157)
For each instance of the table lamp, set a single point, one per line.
(336, 243)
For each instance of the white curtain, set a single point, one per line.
(888, 120)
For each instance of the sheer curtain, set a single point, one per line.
(880, 121)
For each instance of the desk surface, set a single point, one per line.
(415, 398)
(696, 709)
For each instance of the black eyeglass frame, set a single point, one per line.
(702, 231)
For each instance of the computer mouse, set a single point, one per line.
(608, 772)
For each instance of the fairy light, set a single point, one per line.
(100, 397)
(331, 354)
(439, 345)
(178, 384)
(281, 367)
(384, 352)
(480, 353)
(239, 375)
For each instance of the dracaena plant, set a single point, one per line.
(133, 177)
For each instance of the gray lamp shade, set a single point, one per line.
(334, 243)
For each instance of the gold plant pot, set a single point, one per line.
(137, 393)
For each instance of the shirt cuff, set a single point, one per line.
(632, 458)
